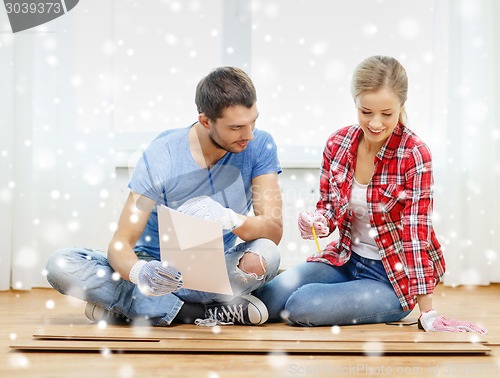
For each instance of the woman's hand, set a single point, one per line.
(308, 219)
(430, 321)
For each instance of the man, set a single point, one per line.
(218, 168)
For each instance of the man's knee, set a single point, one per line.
(252, 263)
(57, 262)
(263, 257)
(63, 263)
(272, 255)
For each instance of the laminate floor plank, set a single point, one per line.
(253, 346)
(274, 332)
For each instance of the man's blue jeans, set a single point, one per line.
(87, 275)
(318, 294)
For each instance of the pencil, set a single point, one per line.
(316, 238)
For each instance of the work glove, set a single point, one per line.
(431, 322)
(154, 279)
(206, 208)
(309, 218)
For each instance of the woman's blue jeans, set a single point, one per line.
(86, 274)
(318, 294)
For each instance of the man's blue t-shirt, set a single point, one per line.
(168, 174)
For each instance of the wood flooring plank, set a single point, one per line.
(253, 346)
(188, 332)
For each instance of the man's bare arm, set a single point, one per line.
(133, 219)
(267, 205)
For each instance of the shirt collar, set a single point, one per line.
(356, 133)
(391, 144)
(388, 149)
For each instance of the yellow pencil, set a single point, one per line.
(316, 238)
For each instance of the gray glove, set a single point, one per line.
(153, 279)
(206, 208)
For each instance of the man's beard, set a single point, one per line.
(217, 145)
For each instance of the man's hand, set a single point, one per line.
(154, 279)
(431, 322)
(308, 219)
(206, 208)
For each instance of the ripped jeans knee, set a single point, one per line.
(253, 264)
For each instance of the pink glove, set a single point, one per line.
(431, 322)
(309, 218)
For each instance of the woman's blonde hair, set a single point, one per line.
(377, 72)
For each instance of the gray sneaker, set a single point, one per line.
(246, 310)
(97, 313)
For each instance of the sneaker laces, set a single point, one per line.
(222, 315)
(210, 322)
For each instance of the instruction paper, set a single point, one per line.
(195, 247)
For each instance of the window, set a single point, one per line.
(139, 62)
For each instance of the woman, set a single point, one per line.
(376, 187)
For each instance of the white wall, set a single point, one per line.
(6, 163)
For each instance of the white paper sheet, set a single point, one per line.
(195, 247)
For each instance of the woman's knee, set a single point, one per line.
(301, 307)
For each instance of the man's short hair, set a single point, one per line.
(224, 87)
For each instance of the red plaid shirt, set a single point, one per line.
(399, 198)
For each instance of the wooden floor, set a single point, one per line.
(23, 314)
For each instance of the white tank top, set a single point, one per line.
(363, 241)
